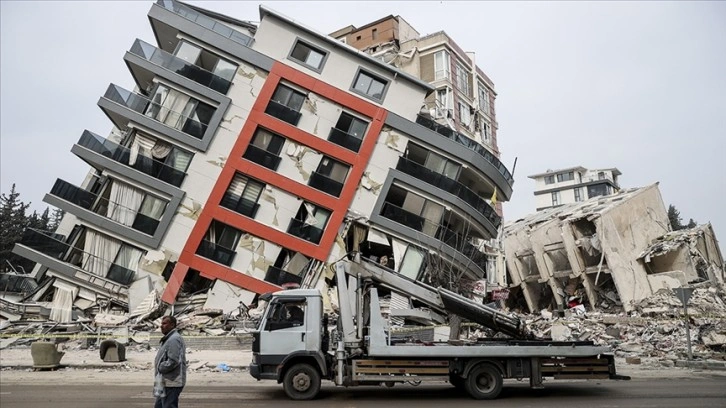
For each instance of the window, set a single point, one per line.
(601, 175)
(219, 243)
(578, 194)
(464, 113)
(179, 111)
(565, 177)
(308, 55)
(462, 79)
(483, 98)
(442, 65)
(432, 161)
(549, 179)
(369, 85)
(309, 222)
(330, 176)
(412, 210)
(208, 61)
(348, 132)
(374, 33)
(285, 104)
(285, 315)
(412, 262)
(484, 129)
(158, 158)
(150, 212)
(242, 195)
(555, 198)
(264, 149)
(123, 269)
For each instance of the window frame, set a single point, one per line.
(555, 198)
(376, 77)
(323, 60)
(446, 58)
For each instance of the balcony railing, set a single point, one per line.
(305, 231)
(205, 21)
(325, 184)
(262, 157)
(280, 277)
(156, 111)
(74, 195)
(401, 216)
(344, 139)
(240, 205)
(53, 246)
(468, 143)
(453, 239)
(283, 112)
(452, 186)
(179, 66)
(120, 154)
(216, 253)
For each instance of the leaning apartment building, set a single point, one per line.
(251, 157)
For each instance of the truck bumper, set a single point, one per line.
(255, 371)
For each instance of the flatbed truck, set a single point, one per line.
(362, 351)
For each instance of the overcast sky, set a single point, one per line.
(637, 86)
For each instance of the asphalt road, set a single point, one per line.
(660, 393)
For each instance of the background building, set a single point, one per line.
(249, 157)
(557, 187)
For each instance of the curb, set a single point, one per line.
(702, 365)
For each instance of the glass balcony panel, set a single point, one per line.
(283, 113)
(401, 216)
(305, 231)
(179, 66)
(468, 143)
(75, 195)
(280, 277)
(341, 138)
(325, 184)
(145, 224)
(121, 275)
(216, 253)
(120, 154)
(262, 157)
(205, 21)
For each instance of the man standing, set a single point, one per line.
(171, 362)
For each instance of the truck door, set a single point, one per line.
(284, 329)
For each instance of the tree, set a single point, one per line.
(13, 222)
(674, 216)
(55, 219)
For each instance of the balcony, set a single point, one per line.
(53, 246)
(283, 113)
(325, 184)
(92, 202)
(240, 205)
(462, 245)
(262, 157)
(280, 277)
(144, 106)
(120, 154)
(452, 186)
(179, 66)
(216, 253)
(305, 231)
(344, 139)
(205, 21)
(401, 216)
(469, 144)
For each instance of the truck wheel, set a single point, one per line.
(484, 382)
(301, 382)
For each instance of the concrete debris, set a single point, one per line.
(606, 254)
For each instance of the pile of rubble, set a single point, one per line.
(655, 329)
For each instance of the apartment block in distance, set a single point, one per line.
(572, 185)
(244, 158)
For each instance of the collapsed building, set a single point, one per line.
(250, 157)
(609, 251)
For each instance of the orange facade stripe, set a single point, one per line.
(235, 163)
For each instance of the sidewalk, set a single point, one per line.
(138, 357)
